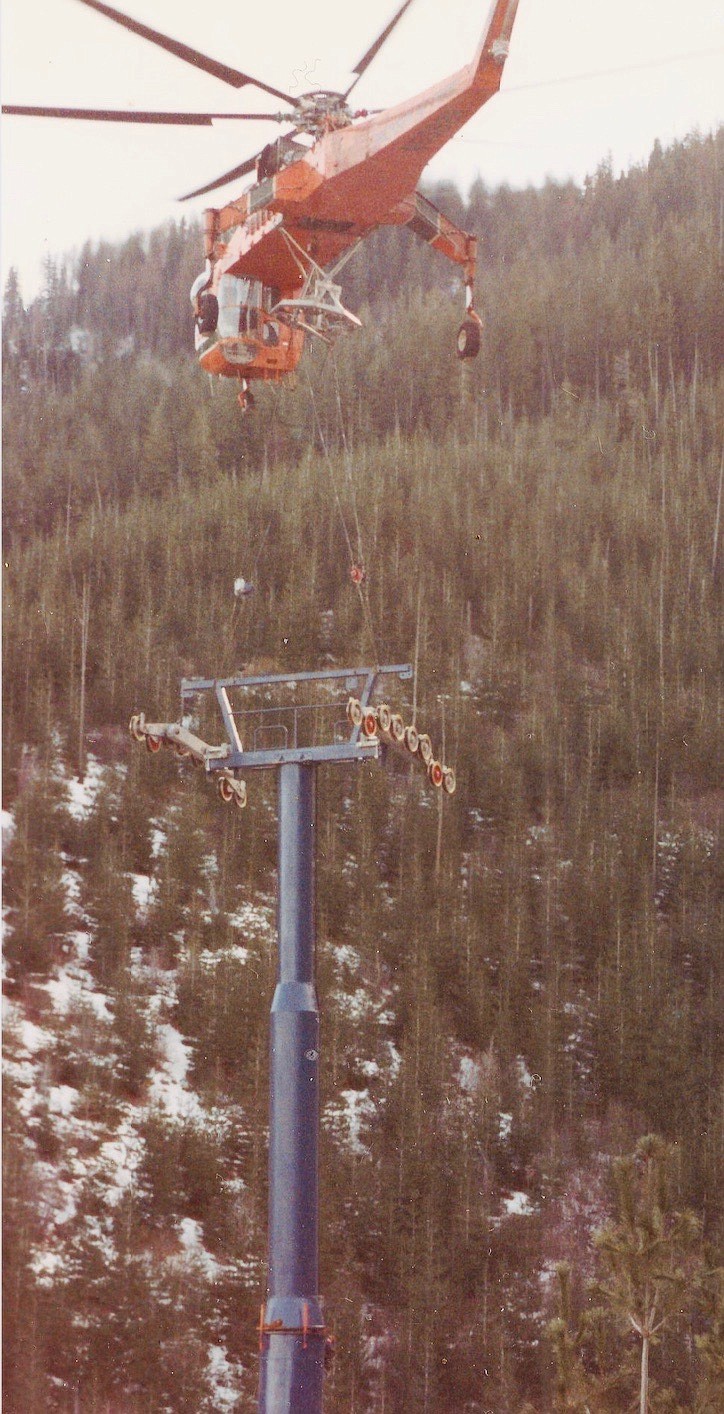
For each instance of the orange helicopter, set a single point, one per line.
(274, 253)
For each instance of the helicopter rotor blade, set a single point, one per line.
(240, 171)
(119, 115)
(363, 64)
(235, 77)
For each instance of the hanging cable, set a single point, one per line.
(348, 472)
(358, 572)
(359, 582)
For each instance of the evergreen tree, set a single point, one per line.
(650, 1252)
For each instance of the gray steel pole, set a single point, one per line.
(292, 1326)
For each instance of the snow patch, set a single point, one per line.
(176, 1052)
(82, 795)
(505, 1125)
(395, 1060)
(45, 1267)
(70, 879)
(518, 1204)
(223, 1375)
(356, 1005)
(192, 1240)
(143, 888)
(527, 1080)
(33, 1038)
(346, 956)
(253, 917)
(469, 1074)
(66, 991)
(353, 1109)
(119, 1159)
(62, 1099)
(168, 1089)
(210, 959)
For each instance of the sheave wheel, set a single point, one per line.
(411, 739)
(468, 342)
(354, 711)
(424, 747)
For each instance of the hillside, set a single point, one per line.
(513, 991)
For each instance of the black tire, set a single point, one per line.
(208, 315)
(468, 341)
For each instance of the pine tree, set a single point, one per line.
(710, 1345)
(573, 1385)
(650, 1252)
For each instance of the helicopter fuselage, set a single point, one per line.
(305, 216)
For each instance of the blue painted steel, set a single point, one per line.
(356, 748)
(297, 755)
(292, 1339)
(292, 1331)
(191, 685)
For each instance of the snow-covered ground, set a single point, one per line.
(98, 1156)
(100, 1150)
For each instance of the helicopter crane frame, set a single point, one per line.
(272, 253)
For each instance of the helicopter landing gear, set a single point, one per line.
(468, 339)
(469, 333)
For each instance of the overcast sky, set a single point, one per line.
(583, 81)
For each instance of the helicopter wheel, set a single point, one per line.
(468, 340)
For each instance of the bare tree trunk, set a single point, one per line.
(644, 1393)
(715, 545)
(84, 617)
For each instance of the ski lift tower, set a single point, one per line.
(293, 725)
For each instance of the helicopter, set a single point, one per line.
(273, 254)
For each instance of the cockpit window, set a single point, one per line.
(239, 305)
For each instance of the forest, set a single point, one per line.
(520, 985)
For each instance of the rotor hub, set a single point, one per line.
(322, 110)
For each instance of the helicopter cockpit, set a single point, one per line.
(235, 315)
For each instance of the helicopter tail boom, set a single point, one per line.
(395, 145)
